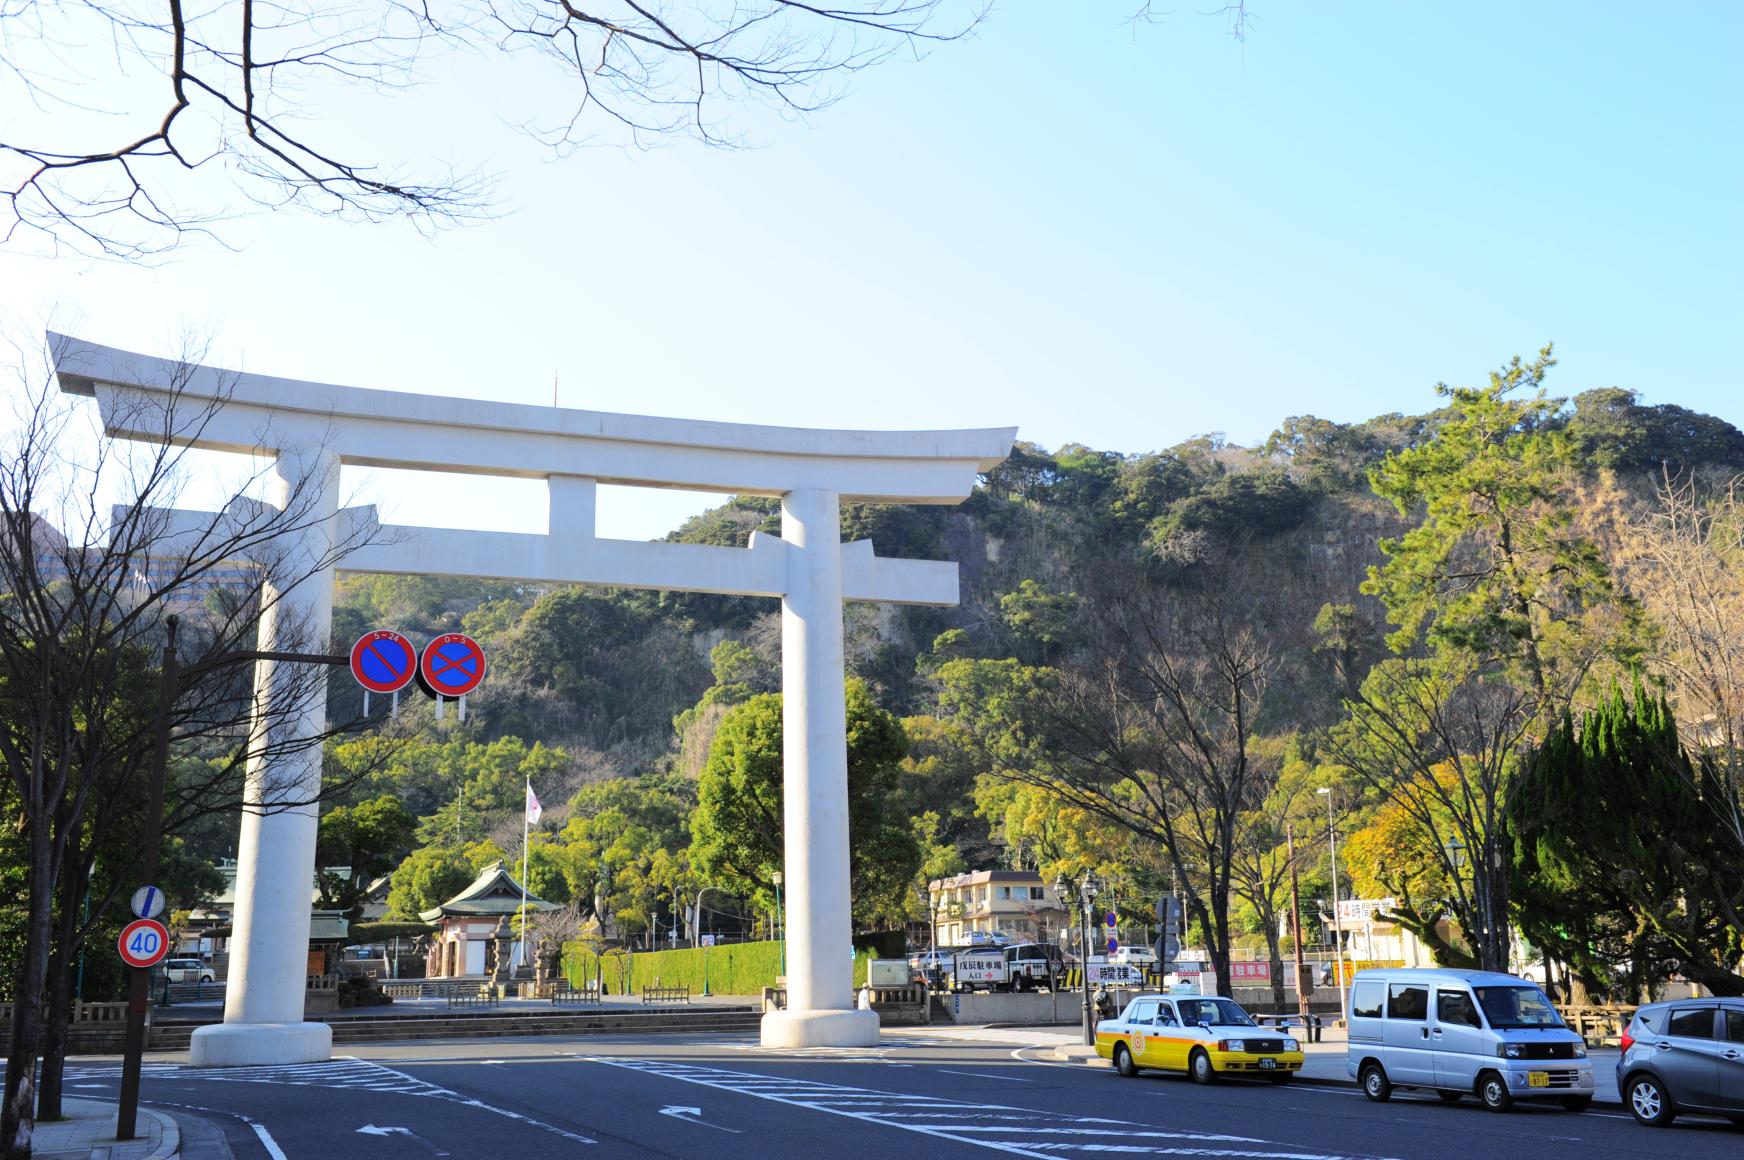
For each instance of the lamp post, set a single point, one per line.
(780, 926)
(702, 890)
(933, 972)
(1088, 888)
(1337, 926)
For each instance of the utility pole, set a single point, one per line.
(1302, 980)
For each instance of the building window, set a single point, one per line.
(1036, 894)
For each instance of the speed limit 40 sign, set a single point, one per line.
(143, 942)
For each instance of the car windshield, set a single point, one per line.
(1517, 1007)
(1216, 1012)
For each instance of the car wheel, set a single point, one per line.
(1493, 1091)
(1199, 1067)
(1450, 1097)
(1375, 1084)
(1123, 1061)
(1649, 1102)
(1576, 1103)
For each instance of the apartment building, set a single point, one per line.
(983, 904)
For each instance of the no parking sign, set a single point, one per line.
(383, 661)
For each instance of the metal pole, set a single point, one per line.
(1337, 925)
(1084, 935)
(138, 981)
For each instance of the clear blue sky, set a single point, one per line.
(1117, 236)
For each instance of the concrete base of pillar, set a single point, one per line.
(820, 1029)
(257, 1044)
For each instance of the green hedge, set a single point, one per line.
(734, 969)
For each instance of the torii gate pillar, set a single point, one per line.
(814, 722)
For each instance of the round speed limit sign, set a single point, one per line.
(143, 942)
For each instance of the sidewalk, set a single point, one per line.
(89, 1131)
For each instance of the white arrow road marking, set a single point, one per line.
(694, 1116)
(372, 1130)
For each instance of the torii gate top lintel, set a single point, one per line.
(377, 428)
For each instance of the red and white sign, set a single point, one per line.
(452, 665)
(383, 661)
(1360, 910)
(143, 942)
(1250, 971)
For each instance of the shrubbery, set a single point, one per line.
(735, 969)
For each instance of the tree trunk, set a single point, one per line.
(58, 1013)
(1216, 926)
(1272, 946)
(18, 1113)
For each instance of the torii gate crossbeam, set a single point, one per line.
(311, 429)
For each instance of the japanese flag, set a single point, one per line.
(533, 807)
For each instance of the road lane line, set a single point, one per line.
(1026, 1132)
(474, 1102)
(266, 1141)
(984, 1075)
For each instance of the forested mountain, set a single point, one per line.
(1240, 602)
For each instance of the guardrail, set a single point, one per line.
(1598, 1025)
(565, 993)
(665, 994)
(477, 995)
(94, 1015)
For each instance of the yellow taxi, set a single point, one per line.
(1203, 1035)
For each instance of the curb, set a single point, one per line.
(169, 1133)
(170, 1142)
(1088, 1057)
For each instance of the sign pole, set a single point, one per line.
(139, 978)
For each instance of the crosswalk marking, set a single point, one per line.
(345, 1074)
(1017, 1131)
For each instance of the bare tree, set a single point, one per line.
(1153, 728)
(1685, 562)
(230, 94)
(1440, 739)
(85, 593)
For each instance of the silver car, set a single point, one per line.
(1684, 1055)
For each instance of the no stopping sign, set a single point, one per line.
(452, 665)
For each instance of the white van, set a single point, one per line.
(1461, 1033)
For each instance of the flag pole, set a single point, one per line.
(526, 831)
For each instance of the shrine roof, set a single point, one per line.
(494, 892)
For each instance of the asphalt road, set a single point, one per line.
(919, 1095)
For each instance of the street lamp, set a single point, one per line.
(1337, 926)
(780, 926)
(933, 975)
(700, 891)
(1088, 889)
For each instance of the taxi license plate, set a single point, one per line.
(1538, 1079)
(1268, 1064)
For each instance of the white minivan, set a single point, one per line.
(1461, 1033)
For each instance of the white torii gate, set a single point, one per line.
(311, 429)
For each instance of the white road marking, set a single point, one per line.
(985, 1075)
(266, 1141)
(1002, 1128)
